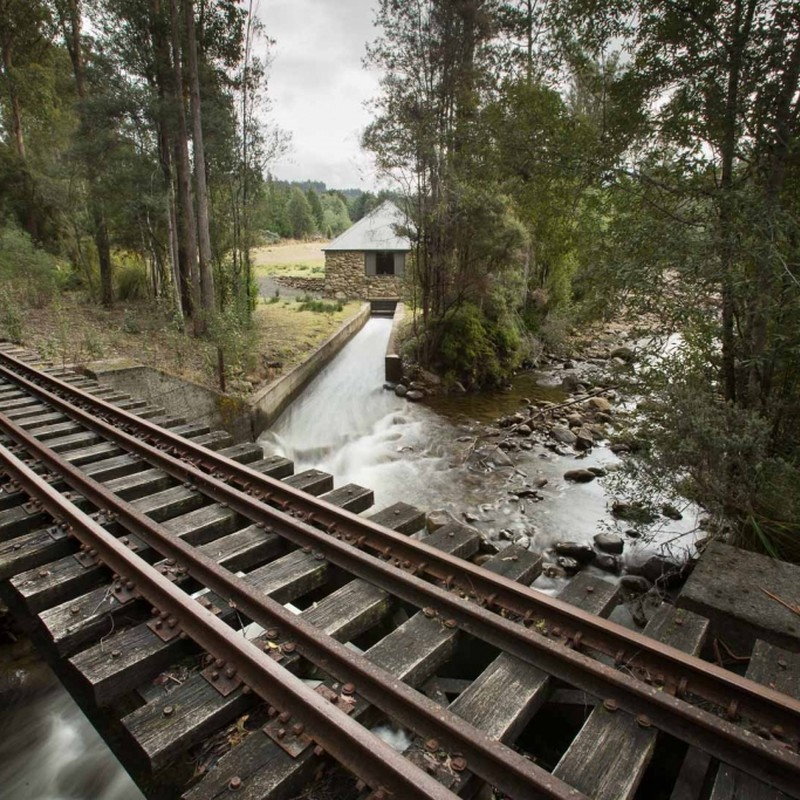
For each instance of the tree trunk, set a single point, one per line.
(760, 368)
(204, 238)
(740, 29)
(70, 21)
(16, 112)
(188, 229)
(163, 79)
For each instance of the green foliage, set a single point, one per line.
(477, 350)
(719, 454)
(316, 206)
(299, 214)
(131, 279)
(130, 323)
(28, 275)
(335, 217)
(235, 335)
(319, 306)
(11, 322)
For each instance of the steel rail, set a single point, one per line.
(493, 761)
(769, 761)
(349, 742)
(721, 738)
(690, 674)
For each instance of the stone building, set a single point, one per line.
(368, 261)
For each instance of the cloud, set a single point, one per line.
(318, 87)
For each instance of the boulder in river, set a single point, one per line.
(563, 435)
(668, 510)
(609, 543)
(579, 475)
(401, 390)
(582, 553)
(635, 583)
(607, 563)
(625, 353)
(599, 404)
(632, 512)
(584, 439)
(499, 458)
(569, 565)
(663, 571)
(414, 395)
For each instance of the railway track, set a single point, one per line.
(82, 547)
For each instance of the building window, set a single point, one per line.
(384, 263)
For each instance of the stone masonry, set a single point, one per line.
(345, 278)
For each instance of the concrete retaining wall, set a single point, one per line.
(393, 368)
(179, 397)
(243, 418)
(268, 403)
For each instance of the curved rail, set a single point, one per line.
(347, 538)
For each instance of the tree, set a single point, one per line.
(300, 216)
(334, 214)
(427, 133)
(717, 86)
(316, 206)
(69, 14)
(204, 239)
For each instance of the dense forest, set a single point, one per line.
(559, 161)
(567, 159)
(136, 141)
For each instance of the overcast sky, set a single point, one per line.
(318, 87)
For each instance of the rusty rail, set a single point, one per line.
(351, 744)
(345, 534)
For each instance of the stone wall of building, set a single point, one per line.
(345, 278)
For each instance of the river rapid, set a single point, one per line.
(348, 424)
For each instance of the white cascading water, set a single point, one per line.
(347, 424)
(50, 751)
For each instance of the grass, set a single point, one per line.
(73, 330)
(288, 333)
(290, 259)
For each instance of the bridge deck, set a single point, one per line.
(182, 726)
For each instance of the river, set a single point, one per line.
(347, 424)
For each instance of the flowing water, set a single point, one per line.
(50, 751)
(347, 424)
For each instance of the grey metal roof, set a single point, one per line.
(375, 231)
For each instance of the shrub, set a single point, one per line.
(131, 279)
(130, 324)
(475, 349)
(233, 332)
(319, 306)
(720, 455)
(11, 326)
(28, 273)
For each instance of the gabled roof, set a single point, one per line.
(375, 231)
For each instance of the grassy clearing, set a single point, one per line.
(292, 259)
(289, 333)
(73, 330)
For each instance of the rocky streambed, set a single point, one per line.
(543, 475)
